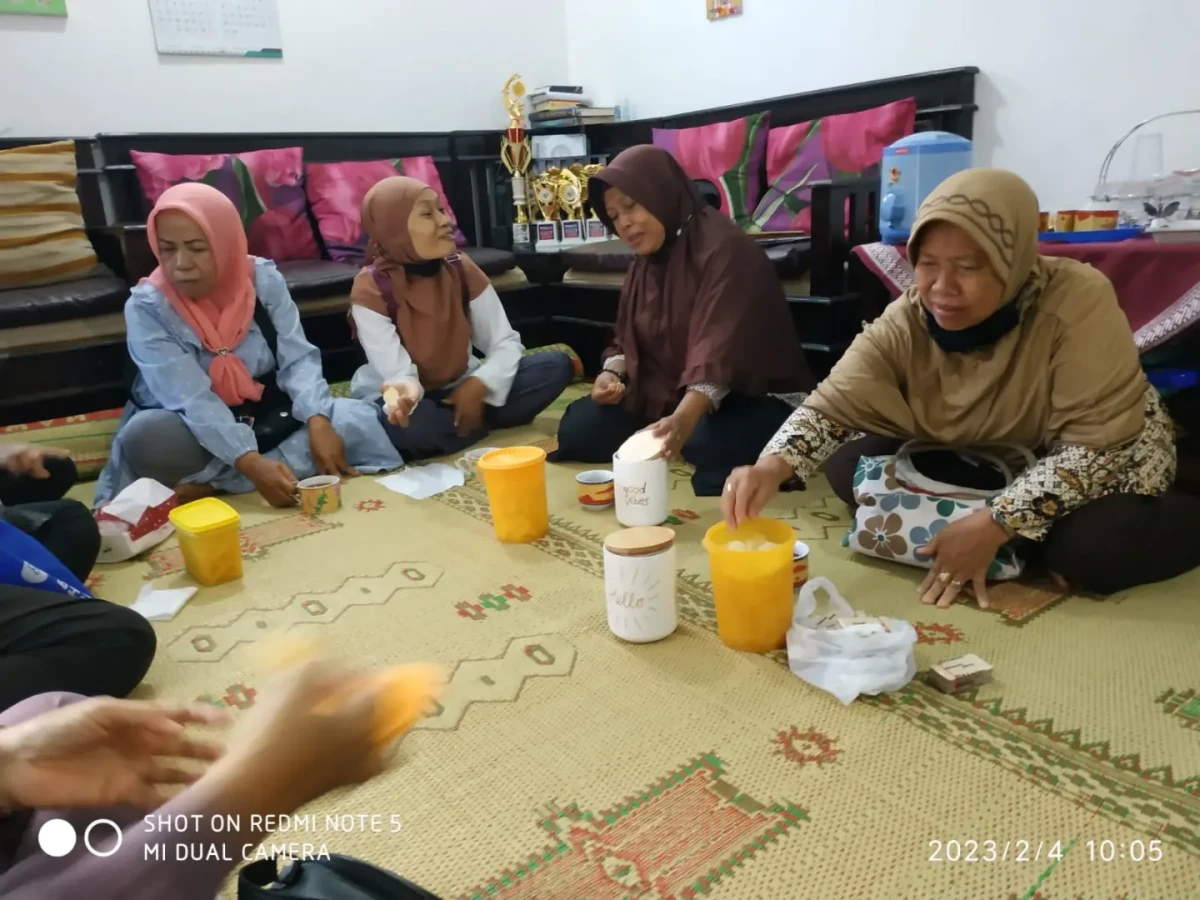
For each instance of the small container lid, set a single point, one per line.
(642, 541)
(204, 515)
(641, 447)
(511, 458)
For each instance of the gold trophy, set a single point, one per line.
(570, 198)
(516, 155)
(548, 230)
(595, 230)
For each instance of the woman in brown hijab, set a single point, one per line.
(705, 350)
(417, 309)
(996, 344)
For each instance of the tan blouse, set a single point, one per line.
(1066, 383)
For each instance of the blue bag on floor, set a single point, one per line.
(24, 562)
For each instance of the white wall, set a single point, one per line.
(348, 65)
(1061, 80)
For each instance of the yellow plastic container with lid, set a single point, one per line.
(515, 478)
(752, 589)
(208, 537)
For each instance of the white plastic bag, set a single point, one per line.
(852, 660)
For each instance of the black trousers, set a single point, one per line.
(52, 642)
(731, 436)
(1108, 545)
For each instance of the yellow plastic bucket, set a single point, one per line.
(515, 478)
(208, 537)
(752, 589)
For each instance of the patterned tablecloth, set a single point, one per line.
(1157, 285)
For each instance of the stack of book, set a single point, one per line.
(565, 106)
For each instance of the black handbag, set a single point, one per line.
(336, 878)
(270, 418)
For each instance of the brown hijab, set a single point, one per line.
(1068, 372)
(707, 307)
(430, 319)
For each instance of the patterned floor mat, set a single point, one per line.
(564, 764)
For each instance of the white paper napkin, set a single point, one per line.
(158, 606)
(423, 482)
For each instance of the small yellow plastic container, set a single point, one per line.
(752, 589)
(515, 478)
(208, 537)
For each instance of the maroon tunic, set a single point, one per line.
(706, 307)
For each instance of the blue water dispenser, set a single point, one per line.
(912, 167)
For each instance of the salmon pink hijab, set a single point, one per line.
(222, 319)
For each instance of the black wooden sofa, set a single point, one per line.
(63, 348)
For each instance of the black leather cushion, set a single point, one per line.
(600, 256)
(316, 279)
(61, 302)
(491, 260)
(791, 259)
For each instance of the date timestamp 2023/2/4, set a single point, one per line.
(1025, 851)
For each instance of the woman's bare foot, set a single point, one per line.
(189, 492)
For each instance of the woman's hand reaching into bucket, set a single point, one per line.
(748, 489)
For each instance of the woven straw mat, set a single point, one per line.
(564, 763)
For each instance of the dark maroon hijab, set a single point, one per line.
(707, 307)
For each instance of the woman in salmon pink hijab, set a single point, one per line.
(229, 396)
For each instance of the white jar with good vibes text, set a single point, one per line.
(639, 583)
(642, 495)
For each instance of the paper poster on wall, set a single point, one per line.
(723, 9)
(34, 7)
(217, 27)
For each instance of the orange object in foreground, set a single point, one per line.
(408, 691)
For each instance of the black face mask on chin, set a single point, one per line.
(425, 269)
(977, 336)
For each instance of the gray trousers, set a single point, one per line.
(159, 445)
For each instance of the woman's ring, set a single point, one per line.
(956, 584)
(944, 577)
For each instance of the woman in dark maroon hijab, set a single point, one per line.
(704, 343)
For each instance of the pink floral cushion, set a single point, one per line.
(846, 144)
(336, 192)
(265, 185)
(728, 154)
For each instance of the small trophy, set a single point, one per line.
(570, 198)
(595, 230)
(548, 230)
(516, 155)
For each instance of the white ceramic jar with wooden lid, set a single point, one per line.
(639, 583)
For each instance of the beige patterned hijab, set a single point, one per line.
(1068, 373)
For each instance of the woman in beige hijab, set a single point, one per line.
(996, 344)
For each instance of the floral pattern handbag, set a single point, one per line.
(901, 510)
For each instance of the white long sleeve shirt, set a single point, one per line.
(389, 363)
